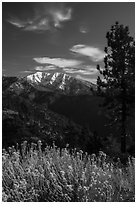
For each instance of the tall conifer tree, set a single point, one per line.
(117, 78)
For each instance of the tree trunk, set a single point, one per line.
(124, 117)
(123, 141)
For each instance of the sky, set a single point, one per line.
(66, 37)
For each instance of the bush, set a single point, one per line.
(35, 175)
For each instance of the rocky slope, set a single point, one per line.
(26, 116)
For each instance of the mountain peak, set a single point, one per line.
(58, 81)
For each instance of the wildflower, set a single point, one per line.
(70, 187)
(41, 170)
(83, 177)
(91, 185)
(109, 176)
(79, 188)
(52, 176)
(85, 188)
(62, 173)
(10, 150)
(93, 157)
(4, 197)
(59, 187)
(70, 168)
(16, 185)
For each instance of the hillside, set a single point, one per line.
(36, 107)
(26, 116)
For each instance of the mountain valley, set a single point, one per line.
(53, 107)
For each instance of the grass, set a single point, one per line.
(35, 175)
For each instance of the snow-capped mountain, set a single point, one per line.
(46, 78)
(59, 81)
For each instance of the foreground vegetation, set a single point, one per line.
(33, 174)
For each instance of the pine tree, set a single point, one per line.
(117, 79)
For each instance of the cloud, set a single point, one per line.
(47, 16)
(92, 80)
(26, 71)
(45, 68)
(70, 66)
(80, 71)
(83, 29)
(60, 16)
(16, 22)
(95, 54)
(39, 25)
(69, 70)
(60, 62)
(91, 68)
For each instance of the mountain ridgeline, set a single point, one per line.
(53, 107)
(60, 82)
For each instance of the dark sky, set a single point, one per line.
(66, 37)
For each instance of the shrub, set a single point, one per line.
(36, 175)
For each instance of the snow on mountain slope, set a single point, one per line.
(59, 81)
(50, 82)
(37, 77)
(46, 78)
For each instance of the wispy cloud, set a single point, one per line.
(83, 71)
(45, 68)
(30, 25)
(16, 22)
(60, 62)
(59, 16)
(92, 80)
(46, 17)
(26, 72)
(69, 66)
(84, 29)
(94, 53)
